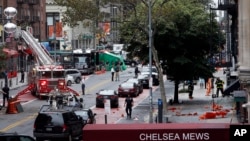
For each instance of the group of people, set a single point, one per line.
(219, 87)
(115, 73)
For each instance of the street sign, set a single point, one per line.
(107, 106)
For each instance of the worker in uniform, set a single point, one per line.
(219, 85)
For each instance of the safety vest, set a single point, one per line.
(219, 83)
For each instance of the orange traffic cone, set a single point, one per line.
(11, 109)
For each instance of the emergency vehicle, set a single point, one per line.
(45, 75)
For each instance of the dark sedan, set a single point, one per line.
(87, 115)
(137, 82)
(128, 88)
(103, 95)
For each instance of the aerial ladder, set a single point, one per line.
(40, 52)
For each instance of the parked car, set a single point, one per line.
(144, 76)
(102, 95)
(87, 115)
(137, 82)
(69, 80)
(77, 75)
(57, 124)
(15, 137)
(144, 79)
(128, 88)
(131, 63)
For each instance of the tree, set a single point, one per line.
(182, 36)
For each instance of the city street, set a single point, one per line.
(23, 121)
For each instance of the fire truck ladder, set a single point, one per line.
(37, 48)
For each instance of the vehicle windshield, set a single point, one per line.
(51, 74)
(147, 69)
(83, 114)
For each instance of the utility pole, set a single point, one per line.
(150, 61)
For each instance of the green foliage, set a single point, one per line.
(182, 36)
(78, 10)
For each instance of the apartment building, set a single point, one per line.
(30, 17)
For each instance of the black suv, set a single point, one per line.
(15, 137)
(57, 124)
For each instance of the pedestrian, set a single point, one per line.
(22, 76)
(83, 86)
(5, 92)
(136, 71)
(129, 104)
(112, 73)
(219, 85)
(202, 82)
(190, 90)
(117, 70)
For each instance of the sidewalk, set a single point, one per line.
(15, 81)
(188, 111)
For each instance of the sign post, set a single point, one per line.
(107, 108)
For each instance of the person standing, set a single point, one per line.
(83, 86)
(22, 76)
(129, 104)
(190, 90)
(117, 70)
(219, 85)
(136, 71)
(5, 91)
(201, 81)
(112, 73)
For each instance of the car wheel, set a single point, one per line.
(78, 80)
(69, 83)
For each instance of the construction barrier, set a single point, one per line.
(14, 106)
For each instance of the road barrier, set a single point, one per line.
(14, 106)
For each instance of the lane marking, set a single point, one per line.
(9, 127)
(18, 123)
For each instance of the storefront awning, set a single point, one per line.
(10, 52)
(233, 86)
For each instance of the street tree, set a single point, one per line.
(182, 37)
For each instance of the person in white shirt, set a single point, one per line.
(112, 73)
(83, 86)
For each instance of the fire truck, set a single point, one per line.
(45, 76)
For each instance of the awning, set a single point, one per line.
(233, 86)
(10, 52)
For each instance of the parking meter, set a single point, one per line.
(160, 107)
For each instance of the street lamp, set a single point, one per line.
(10, 12)
(150, 61)
(9, 27)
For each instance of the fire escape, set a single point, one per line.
(231, 29)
